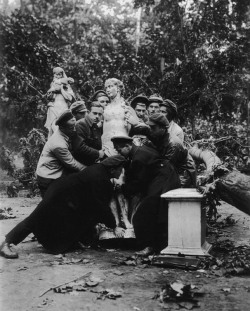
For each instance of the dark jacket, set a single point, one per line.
(88, 142)
(71, 207)
(144, 165)
(172, 150)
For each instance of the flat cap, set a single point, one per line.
(114, 161)
(78, 106)
(140, 129)
(170, 105)
(64, 117)
(158, 118)
(121, 138)
(98, 94)
(155, 99)
(139, 99)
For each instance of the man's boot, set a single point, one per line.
(7, 252)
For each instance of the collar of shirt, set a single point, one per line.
(63, 135)
(89, 121)
(171, 124)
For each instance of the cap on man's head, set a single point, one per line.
(139, 99)
(114, 161)
(78, 106)
(64, 117)
(121, 139)
(98, 94)
(170, 105)
(155, 99)
(140, 129)
(158, 118)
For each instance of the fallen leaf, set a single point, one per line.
(92, 283)
(22, 268)
(227, 290)
(58, 256)
(201, 271)
(117, 272)
(177, 287)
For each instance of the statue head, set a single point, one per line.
(111, 85)
(58, 73)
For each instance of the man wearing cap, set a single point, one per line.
(172, 149)
(169, 110)
(56, 158)
(101, 97)
(154, 104)
(147, 177)
(70, 210)
(140, 104)
(79, 109)
(87, 145)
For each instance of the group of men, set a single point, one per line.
(156, 163)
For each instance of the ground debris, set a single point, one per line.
(61, 260)
(215, 225)
(179, 295)
(6, 213)
(109, 293)
(228, 259)
(22, 268)
(135, 261)
(81, 284)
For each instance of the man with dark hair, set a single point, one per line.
(172, 150)
(147, 177)
(79, 109)
(56, 158)
(140, 104)
(169, 110)
(71, 208)
(87, 145)
(154, 104)
(101, 97)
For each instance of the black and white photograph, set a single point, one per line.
(124, 155)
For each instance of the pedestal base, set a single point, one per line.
(190, 251)
(183, 262)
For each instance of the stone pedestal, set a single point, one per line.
(186, 223)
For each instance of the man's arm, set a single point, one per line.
(80, 147)
(67, 160)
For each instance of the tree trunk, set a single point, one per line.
(233, 187)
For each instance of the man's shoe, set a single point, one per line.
(145, 252)
(6, 252)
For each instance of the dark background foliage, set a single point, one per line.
(193, 52)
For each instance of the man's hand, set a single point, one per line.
(101, 154)
(119, 232)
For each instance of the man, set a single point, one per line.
(101, 97)
(79, 110)
(169, 110)
(172, 150)
(87, 145)
(147, 176)
(140, 104)
(154, 104)
(56, 158)
(70, 209)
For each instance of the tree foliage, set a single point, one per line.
(193, 52)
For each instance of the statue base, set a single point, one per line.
(108, 234)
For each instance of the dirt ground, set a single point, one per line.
(23, 280)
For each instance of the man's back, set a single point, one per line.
(56, 157)
(143, 167)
